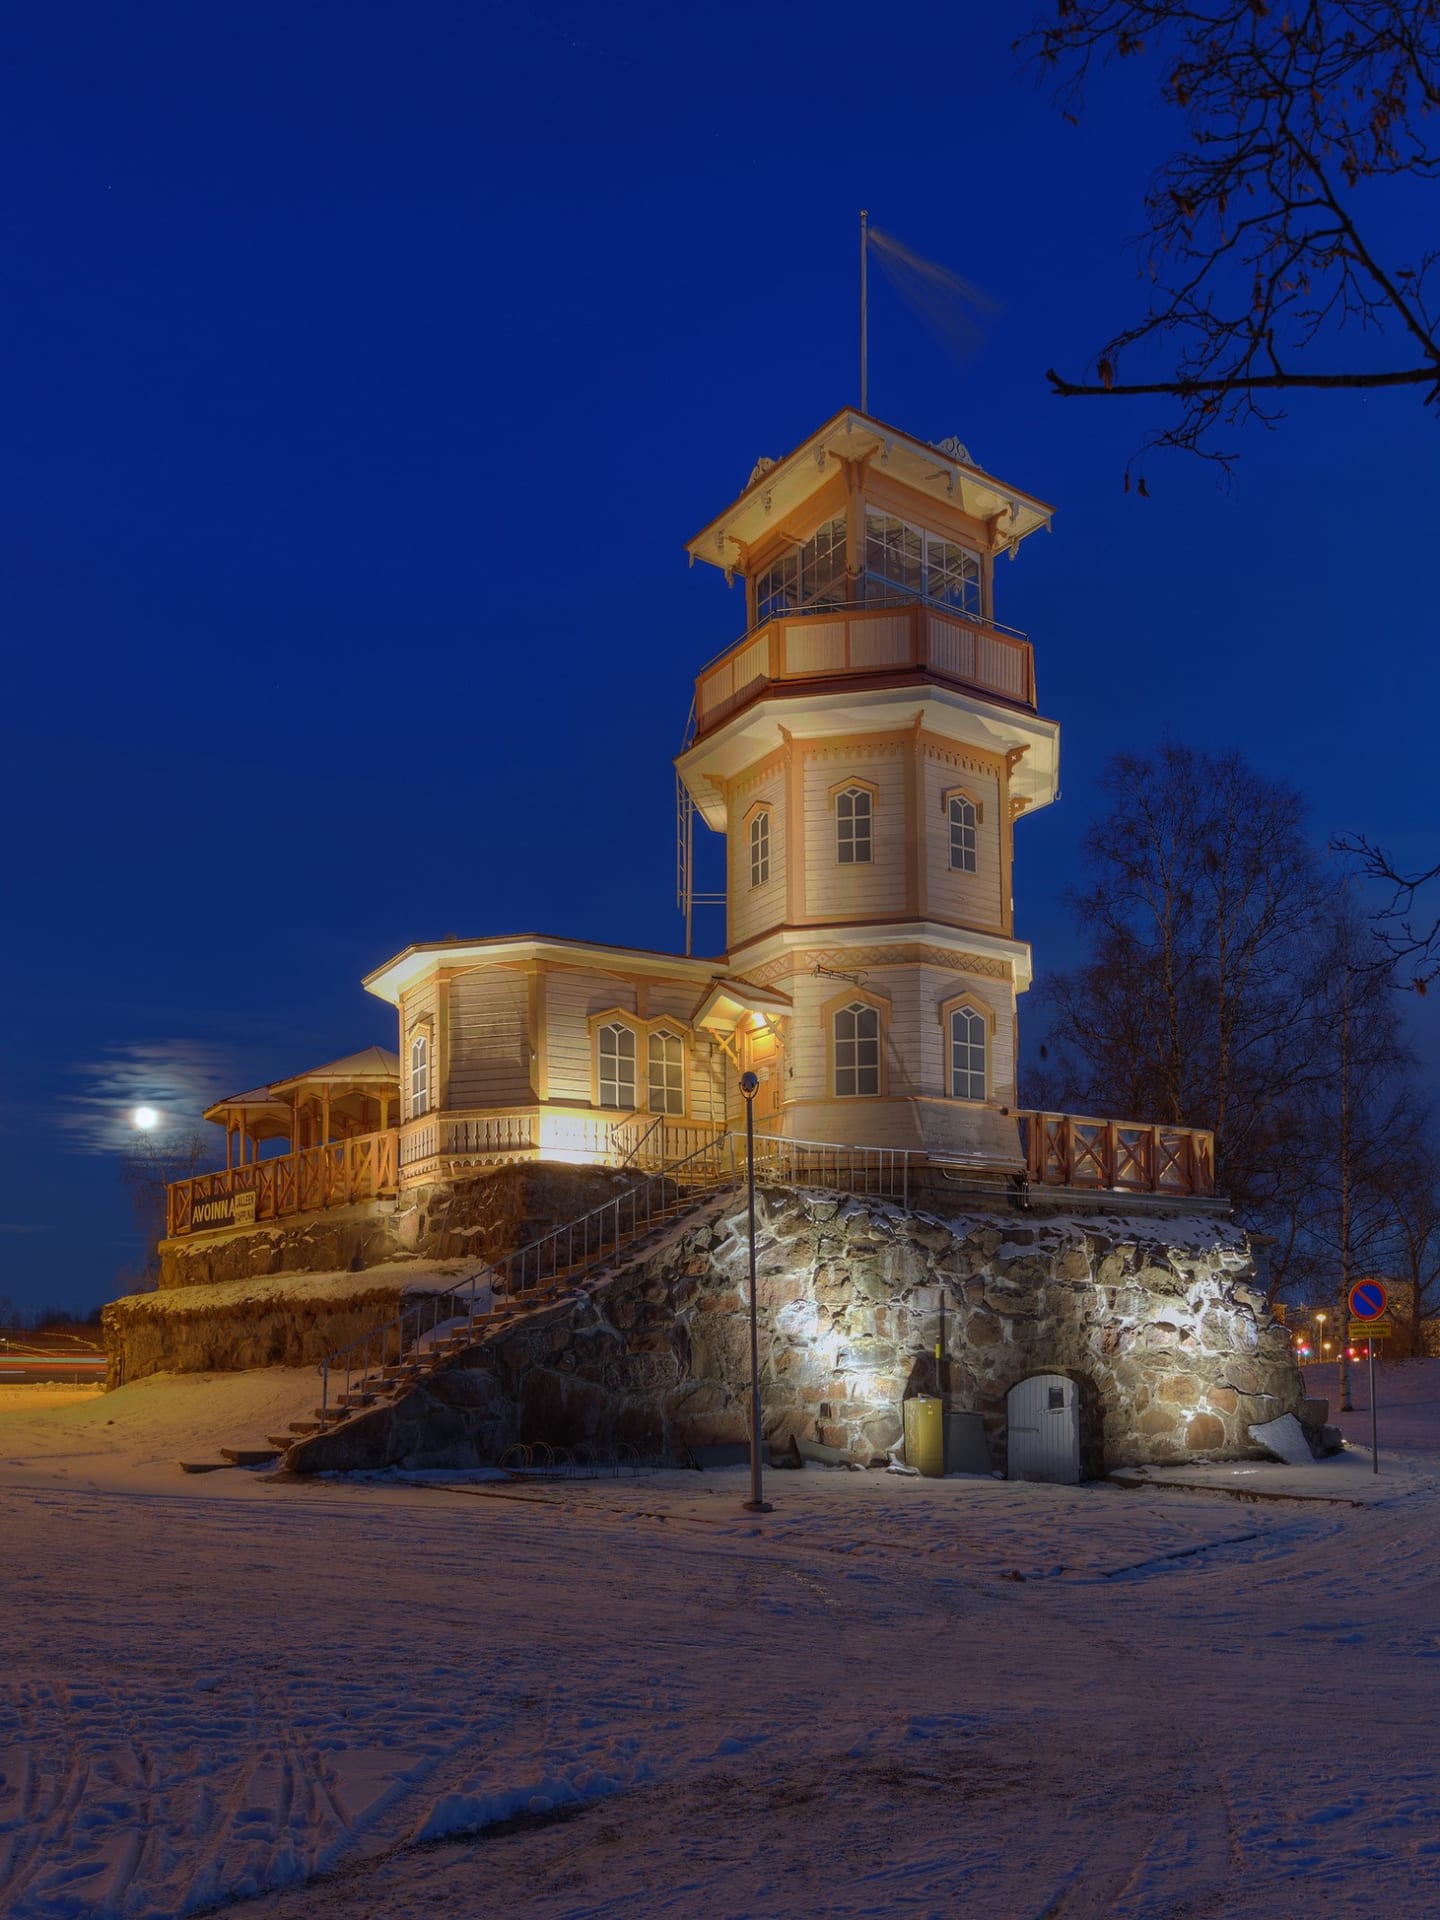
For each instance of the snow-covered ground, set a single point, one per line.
(627, 1697)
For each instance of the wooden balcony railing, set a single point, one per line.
(1071, 1150)
(363, 1168)
(437, 1145)
(856, 642)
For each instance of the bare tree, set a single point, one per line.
(1411, 1196)
(1405, 931)
(1194, 1007)
(1290, 225)
(149, 1168)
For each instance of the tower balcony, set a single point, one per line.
(897, 643)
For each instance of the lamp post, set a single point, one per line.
(757, 1503)
(1320, 1320)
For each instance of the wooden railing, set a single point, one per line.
(1072, 1150)
(855, 642)
(365, 1167)
(438, 1145)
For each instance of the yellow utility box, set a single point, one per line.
(925, 1435)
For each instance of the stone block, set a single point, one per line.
(1183, 1389)
(1205, 1434)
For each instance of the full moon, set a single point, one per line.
(145, 1118)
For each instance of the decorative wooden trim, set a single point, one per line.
(756, 806)
(847, 745)
(804, 960)
(963, 793)
(849, 785)
(773, 763)
(834, 925)
(539, 1030)
(422, 1027)
(917, 851)
(796, 905)
(962, 756)
(440, 1071)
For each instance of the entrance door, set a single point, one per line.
(1042, 1417)
(764, 1054)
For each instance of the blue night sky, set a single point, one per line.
(365, 370)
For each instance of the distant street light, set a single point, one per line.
(146, 1119)
(757, 1503)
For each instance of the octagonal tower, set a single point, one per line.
(867, 748)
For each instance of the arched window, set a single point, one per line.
(760, 848)
(967, 1054)
(617, 1065)
(962, 834)
(853, 816)
(667, 1073)
(857, 1050)
(419, 1074)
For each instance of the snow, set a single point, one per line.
(279, 1289)
(434, 1694)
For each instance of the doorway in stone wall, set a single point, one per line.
(1042, 1430)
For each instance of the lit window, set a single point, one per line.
(903, 561)
(617, 1066)
(419, 1075)
(667, 1073)
(811, 576)
(962, 835)
(852, 826)
(857, 1051)
(760, 849)
(967, 1054)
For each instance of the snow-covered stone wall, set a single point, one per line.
(1158, 1320)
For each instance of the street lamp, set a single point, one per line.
(1320, 1320)
(757, 1503)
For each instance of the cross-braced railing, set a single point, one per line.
(558, 1261)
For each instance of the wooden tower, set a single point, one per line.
(867, 748)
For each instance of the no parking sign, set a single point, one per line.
(1368, 1301)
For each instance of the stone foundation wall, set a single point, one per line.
(232, 1327)
(1173, 1347)
(495, 1211)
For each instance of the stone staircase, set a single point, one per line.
(529, 1279)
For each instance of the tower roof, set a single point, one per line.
(945, 470)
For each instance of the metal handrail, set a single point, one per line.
(569, 1253)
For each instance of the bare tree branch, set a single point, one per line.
(1273, 229)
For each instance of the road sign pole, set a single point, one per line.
(1374, 1445)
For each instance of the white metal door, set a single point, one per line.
(1042, 1416)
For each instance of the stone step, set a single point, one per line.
(305, 1426)
(204, 1466)
(250, 1456)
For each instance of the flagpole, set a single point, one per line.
(864, 314)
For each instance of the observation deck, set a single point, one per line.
(893, 643)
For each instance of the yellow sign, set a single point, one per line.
(1371, 1329)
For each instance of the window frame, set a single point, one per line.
(421, 1039)
(664, 1030)
(854, 789)
(758, 847)
(949, 800)
(969, 605)
(856, 998)
(809, 573)
(976, 1008)
(616, 1022)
